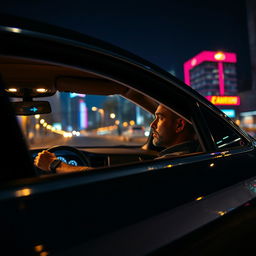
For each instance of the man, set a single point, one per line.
(169, 130)
(173, 133)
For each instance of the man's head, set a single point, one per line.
(169, 129)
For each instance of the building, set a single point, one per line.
(213, 75)
(75, 114)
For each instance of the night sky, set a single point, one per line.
(166, 33)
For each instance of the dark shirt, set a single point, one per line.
(180, 149)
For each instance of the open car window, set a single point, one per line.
(223, 135)
(82, 120)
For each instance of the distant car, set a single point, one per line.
(134, 132)
(132, 203)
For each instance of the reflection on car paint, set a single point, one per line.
(23, 192)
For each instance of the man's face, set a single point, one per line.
(164, 127)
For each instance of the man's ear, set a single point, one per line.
(180, 125)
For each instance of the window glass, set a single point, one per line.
(87, 120)
(224, 136)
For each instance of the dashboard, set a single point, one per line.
(64, 155)
(68, 160)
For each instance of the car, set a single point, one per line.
(132, 202)
(135, 132)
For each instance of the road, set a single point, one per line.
(84, 141)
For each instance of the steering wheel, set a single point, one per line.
(82, 158)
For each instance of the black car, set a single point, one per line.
(77, 96)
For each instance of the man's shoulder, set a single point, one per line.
(179, 149)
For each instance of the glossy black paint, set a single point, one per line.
(231, 235)
(64, 213)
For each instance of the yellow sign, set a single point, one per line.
(224, 100)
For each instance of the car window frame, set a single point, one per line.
(229, 124)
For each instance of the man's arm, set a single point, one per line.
(45, 158)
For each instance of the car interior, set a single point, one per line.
(31, 85)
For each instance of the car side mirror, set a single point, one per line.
(27, 108)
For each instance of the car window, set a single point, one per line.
(87, 120)
(224, 136)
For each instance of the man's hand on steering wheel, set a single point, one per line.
(44, 159)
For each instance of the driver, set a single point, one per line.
(169, 130)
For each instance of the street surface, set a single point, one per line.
(85, 141)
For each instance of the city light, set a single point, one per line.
(146, 133)
(132, 123)
(112, 115)
(229, 112)
(83, 124)
(224, 100)
(67, 134)
(12, 90)
(56, 128)
(219, 56)
(38, 248)
(74, 95)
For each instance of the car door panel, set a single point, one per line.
(86, 212)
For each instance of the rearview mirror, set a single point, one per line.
(27, 108)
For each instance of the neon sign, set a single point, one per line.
(224, 100)
(74, 95)
(83, 114)
(229, 112)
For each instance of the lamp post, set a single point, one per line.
(101, 112)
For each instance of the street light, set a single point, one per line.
(132, 122)
(112, 115)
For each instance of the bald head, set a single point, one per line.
(169, 129)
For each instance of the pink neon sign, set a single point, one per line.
(219, 57)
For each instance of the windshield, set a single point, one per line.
(87, 121)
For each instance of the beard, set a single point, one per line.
(157, 141)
